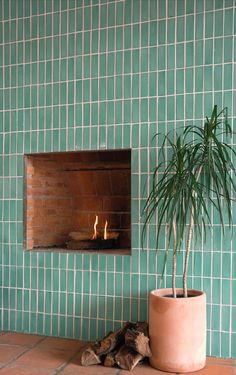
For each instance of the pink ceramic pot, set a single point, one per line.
(177, 329)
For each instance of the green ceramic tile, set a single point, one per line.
(209, 51)
(161, 32)
(209, 25)
(228, 22)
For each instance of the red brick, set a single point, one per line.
(118, 204)
(102, 181)
(125, 221)
(120, 183)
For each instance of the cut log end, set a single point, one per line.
(88, 357)
(138, 341)
(127, 358)
(110, 360)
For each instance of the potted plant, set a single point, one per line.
(195, 174)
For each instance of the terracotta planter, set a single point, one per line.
(177, 329)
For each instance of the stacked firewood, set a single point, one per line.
(125, 348)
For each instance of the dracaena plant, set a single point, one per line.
(196, 173)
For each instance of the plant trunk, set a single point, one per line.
(190, 232)
(174, 262)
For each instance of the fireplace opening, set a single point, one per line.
(78, 201)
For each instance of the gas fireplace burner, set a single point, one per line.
(85, 241)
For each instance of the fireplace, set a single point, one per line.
(78, 201)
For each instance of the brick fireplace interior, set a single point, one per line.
(65, 191)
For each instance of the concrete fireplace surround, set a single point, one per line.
(64, 191)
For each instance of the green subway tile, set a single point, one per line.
(209, 25)
(190, 27)
(228, 42)
(171, 31)
(228, 22)
(135, 40)
(94, 41)
(225, 318)
(171, 56)
(171, 8)
(153, 34)
(199, 26)
(228, 77)
(207, 78)
(136, 11)
(127, 38)
(218, 23)
(215, 342)
(161, 9)
(162, 32)
(189, 54)
(180, 30)
(209, 51)
(161, 58)
(153, 84)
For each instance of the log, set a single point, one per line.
(80, 236)
(113, 340)
(142, 327)
(110, 360)
(86, 236)
(88, 357)
(110, 342)
(113, 235)
(138, 341)
(127, 358)
(92, 244)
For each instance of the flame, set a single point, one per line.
(105, 230)
(95, 234)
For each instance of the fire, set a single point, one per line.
(105, 230)
(96, 234)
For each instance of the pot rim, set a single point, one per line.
(167, 293)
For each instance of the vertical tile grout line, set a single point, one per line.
(10, 182)
(3, 189)
(90, 80)
(105, 142)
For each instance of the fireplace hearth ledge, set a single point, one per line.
(121, 252)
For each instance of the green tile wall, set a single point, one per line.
(103, 74)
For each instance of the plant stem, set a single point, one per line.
(174, 261)
(190, 231)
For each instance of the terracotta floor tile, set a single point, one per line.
(9, 352)
(144, 370)
(20, 339)
(21, 370)
(221, 361)
(64, 344)
(215, 370)
(73, 368)
(45, 358)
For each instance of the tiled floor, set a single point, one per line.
(22, 354)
